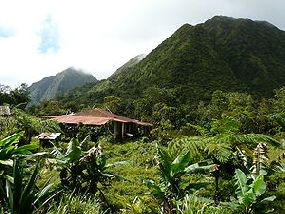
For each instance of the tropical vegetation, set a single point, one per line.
(216, 145)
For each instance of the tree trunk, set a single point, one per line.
(216, 196)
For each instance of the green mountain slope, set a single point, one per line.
(128, 65)
(54, 86)
(254, 50)
(222, 53)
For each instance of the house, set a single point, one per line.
(123, 126)
(5, 111)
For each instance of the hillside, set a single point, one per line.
(53, 86)
(223, 53)
(132, 62)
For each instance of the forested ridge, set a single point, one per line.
(221, 54)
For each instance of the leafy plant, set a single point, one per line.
(171, 170)
(32, 125)
(9, 148)
(248, 195)
(85, 172)
(23, 196)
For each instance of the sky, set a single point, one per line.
(40, 38)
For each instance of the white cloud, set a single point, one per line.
(99, 36)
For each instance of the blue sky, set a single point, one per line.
(40, 38)
(49, 37)
(6, 32)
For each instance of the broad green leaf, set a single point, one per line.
(180, 163)
(10, 140)
(241, 183)
(248, 198)
(25, 150)
(29, 147)
(73, 152)
(258, 185)
(164, 163)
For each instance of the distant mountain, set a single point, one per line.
(54, 86)
(221, 54)
(132, 62)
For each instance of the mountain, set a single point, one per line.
(132, 62)
(254, 51)
(221, 54)
(53, 86)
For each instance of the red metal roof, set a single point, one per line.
(96, 117)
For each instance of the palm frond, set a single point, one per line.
(255, 139)
(220, 151)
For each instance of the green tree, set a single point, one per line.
(20, 96)
(49, 108)
(5, 97)
(222, 143)
(32, 125)
(113, 103)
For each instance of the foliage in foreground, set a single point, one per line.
(248, 195)
(23, 196)
(76, 204)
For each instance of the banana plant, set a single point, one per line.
(248, 195)
(9, 147)
(171, 170)
(85, 171)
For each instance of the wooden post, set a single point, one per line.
(123, 130)
(117, 130)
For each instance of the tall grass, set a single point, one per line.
(69, 204)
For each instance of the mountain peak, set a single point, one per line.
(240, 54)
(184, 28)
(53, 86)
(230, 21)
(224, 53)
(132, 62)
(73, 70)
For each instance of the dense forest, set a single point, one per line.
(215, 95)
